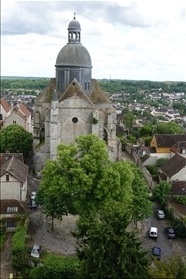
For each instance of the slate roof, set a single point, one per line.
(179, 146)
(47, 94)
(16, 168)
(4, 157)
(178, 188)
(167, 140)
(174, 165)
(23, 206)
(144, 158)
(75, 90)
(97, 95)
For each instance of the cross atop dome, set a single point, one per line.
(74, 15)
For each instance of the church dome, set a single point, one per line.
(74, 55)
(74, 24)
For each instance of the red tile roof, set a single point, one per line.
(5, 105)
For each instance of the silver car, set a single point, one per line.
(36, 251)
(160, 214)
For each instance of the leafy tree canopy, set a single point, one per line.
(83, 178)
(173, 267)
(160, 192)
(168, 128)
(16, 139)
(63, 267)
(108, 249)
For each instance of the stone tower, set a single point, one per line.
(72, 104)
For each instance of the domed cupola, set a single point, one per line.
(74, 31)
(73, 61)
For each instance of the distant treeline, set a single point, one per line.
(24, 83)
(110, 86)
(134, 86)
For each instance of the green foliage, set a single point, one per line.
(108, 250)
(153, 170)
(129, 120)
(15, 138)
(141, 205)
(168, 128)
(25, 83)
(180, 199)
(161, 191)
(174, 267)
(134, 86)
(161, 162)
(63, 267)
(146, 130)
(19, 258)
(179, 227)
(147, 140)
(83, 178)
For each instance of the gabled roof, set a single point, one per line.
(18, 112)
(46, 95)
(15, 168)
(4, 157)
(23, 109)
(5, 105)
(174, 165)
(97, 95)
(167, 140)
(21, 205)
(144, 158)
(75, 90)
(178, 188)
(179, 146)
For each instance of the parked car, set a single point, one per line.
(156, 253)
(33, 203)
(160, 214)
(36, 251)
(153, 232)
(170, 233)
(33, 195)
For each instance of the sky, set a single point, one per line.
(127, 39)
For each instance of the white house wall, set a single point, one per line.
(12, 189)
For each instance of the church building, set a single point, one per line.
(72, 104)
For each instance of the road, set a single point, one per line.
(168, 246)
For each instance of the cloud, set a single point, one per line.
(126, 39)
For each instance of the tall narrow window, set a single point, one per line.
(7, 177)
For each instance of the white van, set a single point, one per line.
(153, 232)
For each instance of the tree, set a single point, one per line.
(16, 139)
(108, 249)
(161, 191)
(128, 120)
(168, 128)
(83, 178)
(173, 267)
(141, 205)
(161, 162)
(63, 267)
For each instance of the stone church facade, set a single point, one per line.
(72, 104)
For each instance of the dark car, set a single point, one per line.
(33, 204)
(156, 253)
(170, 233)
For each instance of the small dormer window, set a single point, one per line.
(12, 209)
(7, 177)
